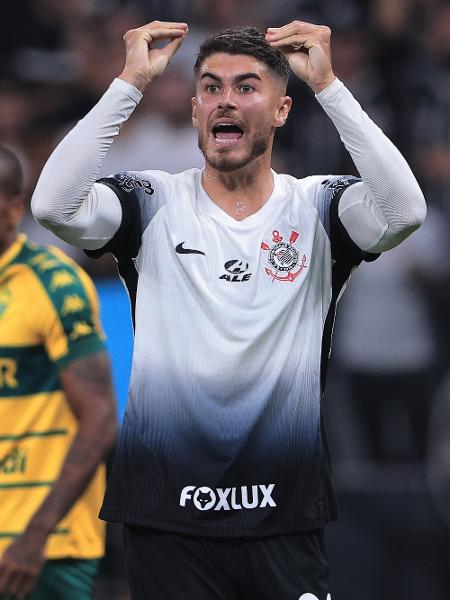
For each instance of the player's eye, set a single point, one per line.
(246, 88)
(211, 88)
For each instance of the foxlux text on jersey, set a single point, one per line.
(235, 498)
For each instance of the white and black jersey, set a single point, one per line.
(223, 434)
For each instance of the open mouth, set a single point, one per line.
(227, 132)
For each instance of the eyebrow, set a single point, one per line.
(237, 79)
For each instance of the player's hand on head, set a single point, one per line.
(307, 49)
(144, 61)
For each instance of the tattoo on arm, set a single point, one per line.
(89, 391)
(94, 371)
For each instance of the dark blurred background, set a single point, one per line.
(387, 403)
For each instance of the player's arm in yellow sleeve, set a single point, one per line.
(87, 383)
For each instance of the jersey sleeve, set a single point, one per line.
(329, 194)
(68, 320)
(140, 196)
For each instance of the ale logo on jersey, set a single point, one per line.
(285, 261)
(235, 498)
(236, 271)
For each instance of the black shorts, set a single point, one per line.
(169, 566)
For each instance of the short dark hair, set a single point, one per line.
(11, 173)
(244, 40)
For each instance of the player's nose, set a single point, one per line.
(227, 98)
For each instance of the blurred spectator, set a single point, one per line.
(321, 150)
(161, 135)
(386, 343)
(426, 119)
(439, 454)
(14, 113)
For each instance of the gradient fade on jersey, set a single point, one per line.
(223, 434)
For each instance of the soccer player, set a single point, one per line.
(222, 476)
(57, 413)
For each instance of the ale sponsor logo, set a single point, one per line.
(236, 271)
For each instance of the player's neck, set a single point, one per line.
(7, 241)
(242, 192)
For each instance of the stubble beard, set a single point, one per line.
(224, 162)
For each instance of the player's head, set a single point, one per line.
(249, 41)
(240, 81)
(11, 196)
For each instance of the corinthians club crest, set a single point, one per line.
(285, 260)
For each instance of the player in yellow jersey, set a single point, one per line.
(57, 414)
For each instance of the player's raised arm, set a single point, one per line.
(387, 205)
(67, 200)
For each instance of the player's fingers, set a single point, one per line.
(4, 577)
(28, 584)
(165, 24)
(296, 42)
(16, 585)
(169, 32)
(22, 581)
(163, 29)
(172, 47)
(135, 35)
(297, 27)
(10, 582)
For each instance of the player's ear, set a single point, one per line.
(194, 112)
(17, 209)
(284, 106)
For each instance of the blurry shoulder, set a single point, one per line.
(153, 182)
(55, 270)
(316, 187)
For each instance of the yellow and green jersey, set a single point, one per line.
(49, 315)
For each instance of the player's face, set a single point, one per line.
(236, 109)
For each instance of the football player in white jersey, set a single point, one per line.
(222, 475)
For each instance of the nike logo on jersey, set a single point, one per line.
(180, 250)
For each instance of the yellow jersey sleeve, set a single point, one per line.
(68, 319)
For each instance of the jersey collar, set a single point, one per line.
(209, 207)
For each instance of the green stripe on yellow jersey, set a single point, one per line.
(48, 317)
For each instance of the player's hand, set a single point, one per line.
(144, 61)
(307, 49)
(21, 565)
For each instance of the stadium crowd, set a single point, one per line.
(386, 398)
